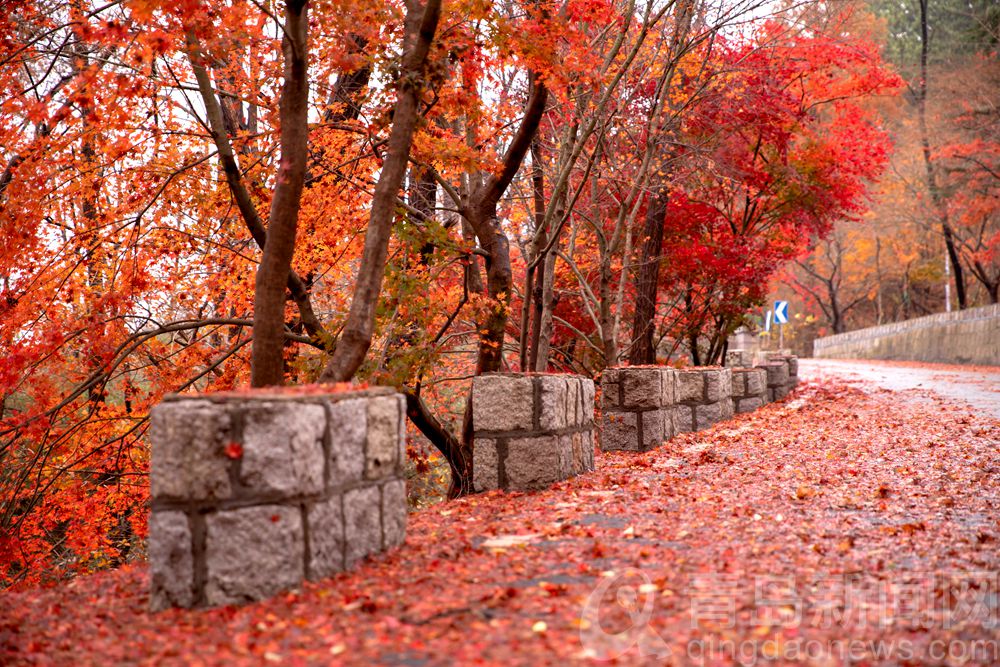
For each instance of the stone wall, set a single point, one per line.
(531, 430)
(637, 407)
(749, 389)
(253, 493)
(704, 397)
(970, 336)
(780, 380)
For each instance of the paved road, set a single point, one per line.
(979, 387)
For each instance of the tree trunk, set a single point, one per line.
(608, 341)
(241, 195)
(540, 351)
(932, 184)
(267, 366)
(879, 313)
(646, 283)
(344, 102)
(357, 334)
(482, 216)
(539, 243)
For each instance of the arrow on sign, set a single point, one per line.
(781, 312)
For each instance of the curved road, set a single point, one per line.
(977, 386)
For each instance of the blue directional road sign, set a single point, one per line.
(781, 312)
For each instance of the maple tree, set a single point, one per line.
(199, 196)
(931, 231)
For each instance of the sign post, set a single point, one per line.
(780, 318)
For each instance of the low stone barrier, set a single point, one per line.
(749, 389)
(253, 493)
(637, 407)
(782, 375)
(531, 430)
(704, 397)
(970, 336)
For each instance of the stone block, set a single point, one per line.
(739, 359)
(690, 386)
(574, 409)
(326, 537)
(652, 429)
(171, 565)
(725, 383)
(641, 387)
(619, 432)
(793, 366)
(587, 401)
(188, 460)
(583, 452)
(668, 382)
(714, 385)
(362, 523)
(684, 418)
(780, 392)
(564, 452)
(502, 402)
(393, 513)
(485, 466)
(533, 463)
(348, 427)
(283, 448)
(756, 381)
(739, 383)
(252, 553)
(552, 396)
(748, 404)
(708, 414)
(401, 453)
(777, 373)
(669, 422)
(383, 437)
(610, 397)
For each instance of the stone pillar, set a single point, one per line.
(791, 363)
(704, 397)
(254, 492)
(793, 371)
(739, 359)
(749, 389)
(531, 430)
(777, 379)
(637, 407)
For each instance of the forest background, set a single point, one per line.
(458, 188)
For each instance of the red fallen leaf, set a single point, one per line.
(234, 450)
(275, 518)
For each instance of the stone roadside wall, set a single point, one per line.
(252, 494)
(704, 397)
(782, 375)
(970, 336)
(531, 430)
(637, 407)
(749, 389)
